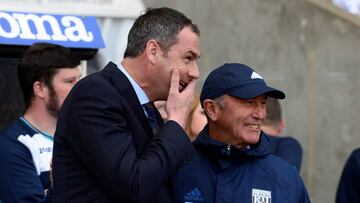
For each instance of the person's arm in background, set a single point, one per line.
(349, 185)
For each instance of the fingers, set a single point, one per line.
(191, 86)
(174, 83)
(179, 104)
(189, 92)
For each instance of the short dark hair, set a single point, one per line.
(160, 24)
(273, 112)
(41, 62)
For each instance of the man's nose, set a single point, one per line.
(194, 71)
(260, 112)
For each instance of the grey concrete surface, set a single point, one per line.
(311, 54)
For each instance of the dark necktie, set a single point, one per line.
(152, 118)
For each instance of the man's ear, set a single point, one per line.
(152, 50)
(210, 109)
(39, 89)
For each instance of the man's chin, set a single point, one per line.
(254, 139)
(53, 111)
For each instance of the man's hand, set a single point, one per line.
(179, 104)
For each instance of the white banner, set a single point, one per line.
(101, 8)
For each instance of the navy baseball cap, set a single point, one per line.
(237, 80)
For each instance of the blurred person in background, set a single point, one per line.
(349, 185)
(233, 161)
(46, 74)
(197, 120)
(287, 148)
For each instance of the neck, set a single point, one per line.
(41, 120)
(220, 135)
(140, 72)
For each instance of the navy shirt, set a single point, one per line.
(25, 155)
(286, 148)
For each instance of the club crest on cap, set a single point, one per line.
(256, 75)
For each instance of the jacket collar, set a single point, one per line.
(221, 150)
(124, 87)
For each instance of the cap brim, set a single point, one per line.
(253, 90)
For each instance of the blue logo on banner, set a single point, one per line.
(20, 28)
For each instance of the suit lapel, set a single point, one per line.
(124, 87)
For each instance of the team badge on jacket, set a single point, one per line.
(261, 196)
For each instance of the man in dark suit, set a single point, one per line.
(109, 147)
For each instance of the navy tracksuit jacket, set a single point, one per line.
(221, 173)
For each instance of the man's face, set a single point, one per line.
(181, 55)
(60, 87)
(240, 120)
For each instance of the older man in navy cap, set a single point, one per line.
(233, 162)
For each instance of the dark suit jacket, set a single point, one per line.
(105, 150)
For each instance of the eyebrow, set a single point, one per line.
(195, 54)
(69, 78)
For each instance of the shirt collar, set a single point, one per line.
(139, 92)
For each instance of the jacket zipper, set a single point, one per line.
(228, 150)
